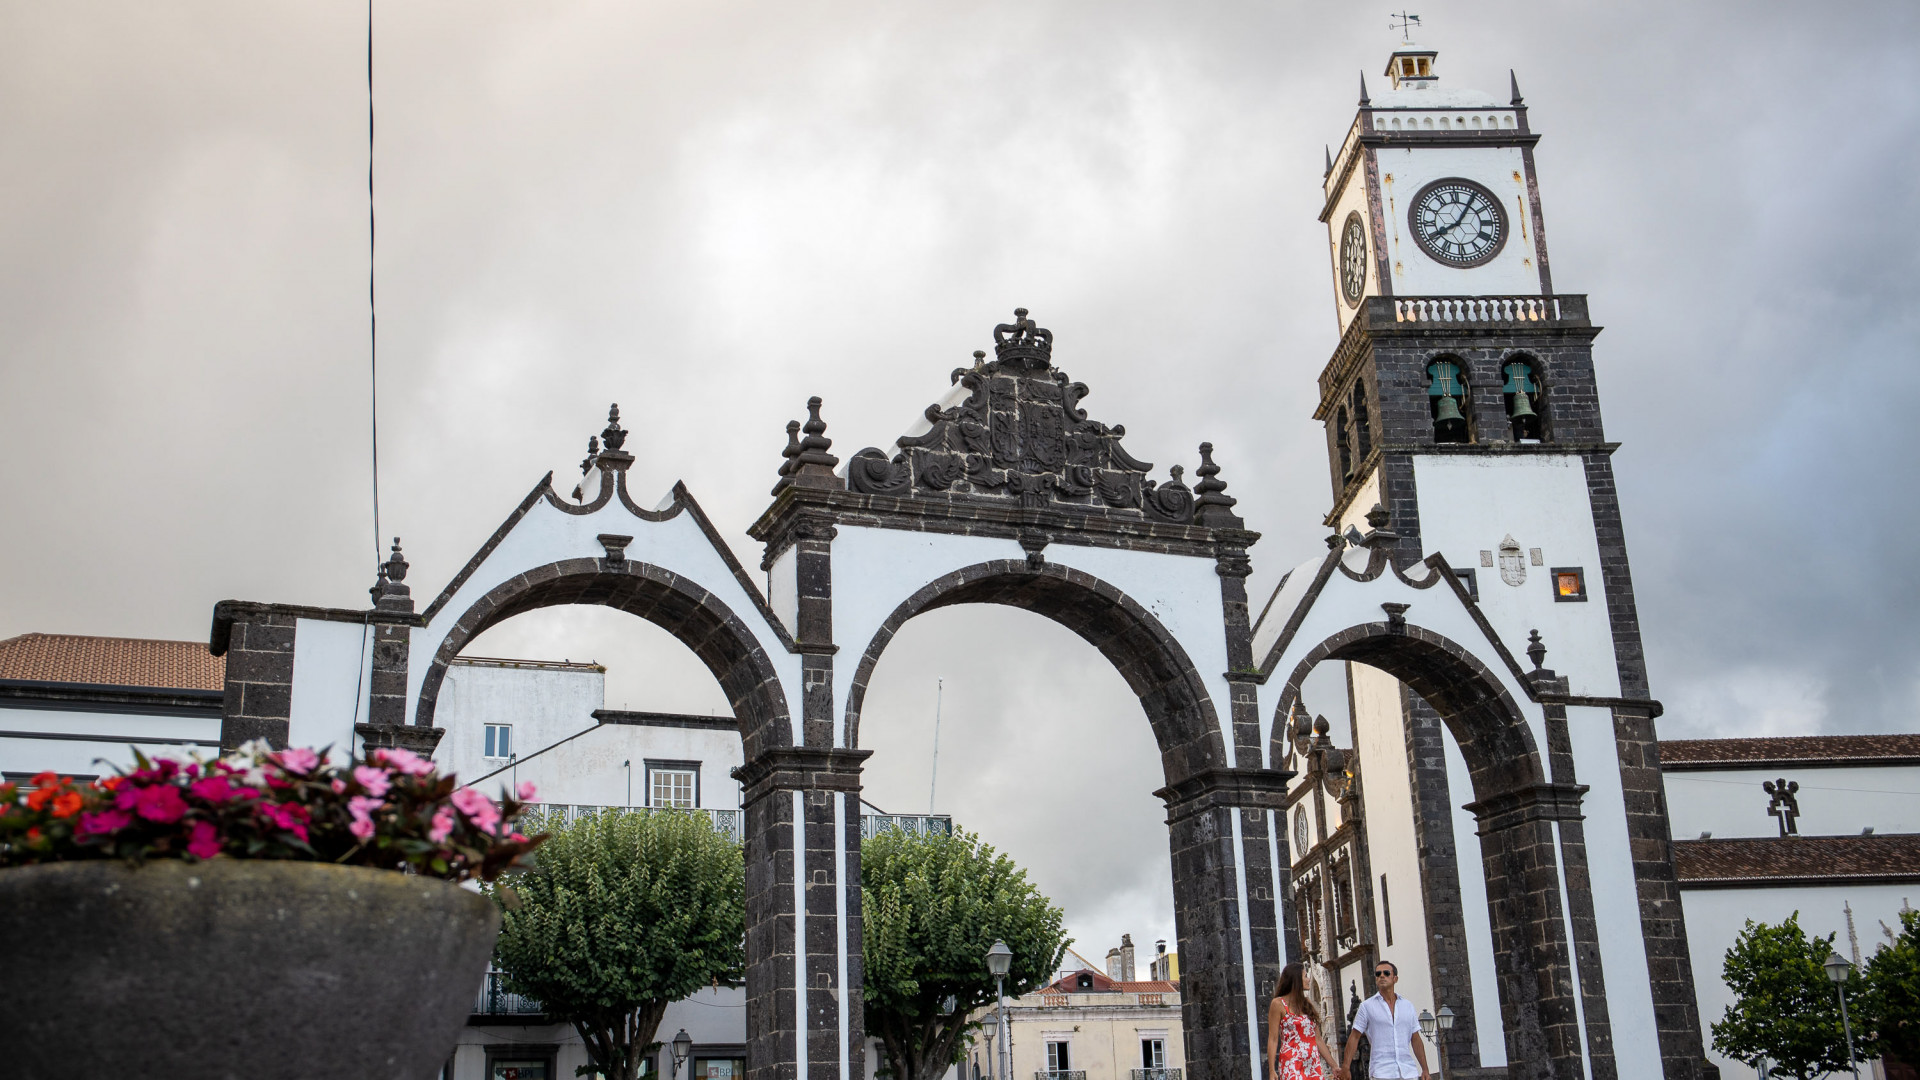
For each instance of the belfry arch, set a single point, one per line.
(1004, 492)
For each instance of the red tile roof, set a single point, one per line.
(1797, 860)
(1691, 754)
(1103, 985)
(109, 661)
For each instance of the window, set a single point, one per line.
(1341, 436)
(1524, 399)
(1153, 1053)
(1470, 581)
(1057, 1057)
(515, 1069)
(499, 740)
(1083, 982)
(719, 1068)
(1569, 585)
(673, 784)
(1447, 400)
(1386, 910)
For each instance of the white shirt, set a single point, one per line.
(1389, 1035)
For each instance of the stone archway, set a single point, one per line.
(1528, 810)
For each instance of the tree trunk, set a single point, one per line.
(616, 1044)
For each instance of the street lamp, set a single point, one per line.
(682, 1046)
(1764, 1065)
(1838, 969)
(999, 962)
(1445, 1021)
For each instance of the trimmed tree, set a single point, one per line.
(1891, 1000)
(933, 906)
(1784, 1005)
(619, 915)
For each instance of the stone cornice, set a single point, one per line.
(801, 768)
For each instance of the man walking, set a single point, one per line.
(1392, 1030)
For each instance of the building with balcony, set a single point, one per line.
(1088, 1025)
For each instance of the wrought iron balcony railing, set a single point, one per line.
(911, 824)
(732, 823)
(493, 999)
(1061, 1074)
(1156, 1074)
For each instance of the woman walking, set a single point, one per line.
(1294, 1049)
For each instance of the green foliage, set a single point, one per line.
(619, 915)
(1890, 1003)
(1785, 1006)
(933, 906)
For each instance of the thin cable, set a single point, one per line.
(373, 316)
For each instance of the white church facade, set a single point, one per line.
(1508, 831)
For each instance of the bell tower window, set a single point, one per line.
(1524, 400)
(1447, 400)
(1362, 427)
(1344, 438)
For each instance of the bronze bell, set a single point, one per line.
(1523, 407)
(1447, 410)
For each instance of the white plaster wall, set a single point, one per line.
(714, 1018)
(1405, 170)
(1353, 199)
(1833, 801)
(331, 661)
(1474, 915)
(1381, 743)
(783, 589)
(547, 535)
(1355, 514)
(1616, 898)
(1715, 917)
(111, 737)
(544, 704)
(1469, 503)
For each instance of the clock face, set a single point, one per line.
(1353, 260)
(1458, 222)
(1301, 832)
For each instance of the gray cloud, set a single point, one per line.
(709, 211)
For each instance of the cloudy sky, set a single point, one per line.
(708, 211)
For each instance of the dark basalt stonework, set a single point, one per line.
(1021, 437)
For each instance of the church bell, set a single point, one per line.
(1523, 407)
(1446, 410)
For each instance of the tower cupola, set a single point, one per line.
(1411, 68)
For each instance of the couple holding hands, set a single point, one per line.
(1392, 1028)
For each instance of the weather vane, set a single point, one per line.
(1404, 23)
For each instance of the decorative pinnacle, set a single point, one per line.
(813, 448)
(1514, 81)
(614, 436)
(1329, 151)
(396, 564)
(793, 448)
(1212, 506)
(1536, 649)
(1321, 727)
(388, 593)
(808, 463)
(1378, 516)
(1365, 101)
(593, 452)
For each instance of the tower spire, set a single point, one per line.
(1329, 171)
(1514, 81)
(1365, 101)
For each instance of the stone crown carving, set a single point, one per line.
(1020, 436)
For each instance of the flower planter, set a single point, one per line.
(233, 968)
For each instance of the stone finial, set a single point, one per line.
(1536, 650)
(1329, 151)
(613, 435)
(1378, 517)
(593, 455)
(790, 454)
(396, 566)
(1023, 342)
(1321, 727)
(1365, 101)
(389, 591)
(1514, 81)
(813, 466)
(1212, 506)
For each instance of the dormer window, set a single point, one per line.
(1524, 401)
(1447, 401)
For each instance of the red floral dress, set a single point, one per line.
(1299, 1049)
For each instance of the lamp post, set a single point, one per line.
(1445, 1022)
(1764, 1065)
(682, 1047)
(1428, 1023)
(1838, 969)
(628, 765)
(999, 962)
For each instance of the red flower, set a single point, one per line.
(291, 818)
(66, 804)
(217, 789)
(161, 803)
(205, 843)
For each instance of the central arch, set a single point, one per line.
(1138, 645)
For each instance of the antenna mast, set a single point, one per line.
(933, 785)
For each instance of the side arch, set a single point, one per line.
(693, 615)
(1140, 647)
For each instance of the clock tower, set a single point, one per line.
(1462, 417)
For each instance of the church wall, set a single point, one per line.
(783, 589)
(1715, 917)
(330, 676)
(1475, 918)
(1469, 502)
(1380, 741)
(1353, 198)
(1510, 273)
(1355, 514)
(1832, 801)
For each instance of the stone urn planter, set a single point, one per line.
(235, 968)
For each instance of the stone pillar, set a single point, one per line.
(1530, 948)
(804, 1009)
(258, 644)
(392, 625)
(1224, 914)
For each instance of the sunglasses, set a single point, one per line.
(1383, 974)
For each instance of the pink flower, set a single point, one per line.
(405, 761)
(288, 817)
(361, 807)
(297, 759)
(478, 808)
(442, 826)
(205, 843)
(339, 786)
(105, 821)
(375, 781)
(161, 803)
(527, 791)
(217, 789)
